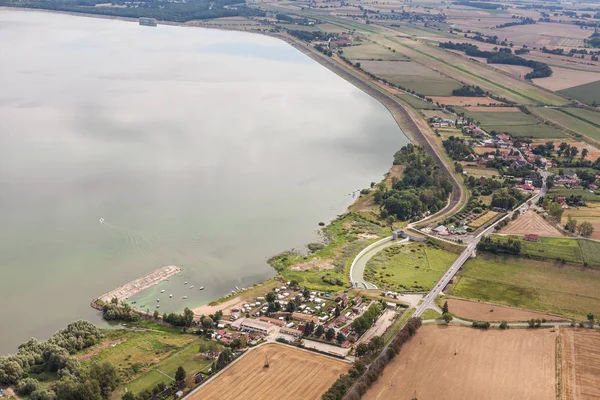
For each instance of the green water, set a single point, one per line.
(206, 149)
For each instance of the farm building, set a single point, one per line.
(303, 317)
(532, 237)
(292, 332)
(273, 321)
(256, 326)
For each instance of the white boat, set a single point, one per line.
(201, 288)
(170, 295)
(191, 287)
(185, 283)
(157, 300)
(101, 220)
(185, 297)
(158, 306)
(142, 306)
(162, 291)
(237, 288)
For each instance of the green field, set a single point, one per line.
(563, 191)
(587, 93)
(568, 121)
(431, 314)
(515, 123)
(415, 267)
(590, 250)
(416, 102)
(526, 283)
(371, 51)
(550, 248)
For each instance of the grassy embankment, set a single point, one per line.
(415, 267)
(531, 284)
(431, 314)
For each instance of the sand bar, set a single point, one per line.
(142, 283)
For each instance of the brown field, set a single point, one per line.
(463, 101)
(493, 109)
(580, 364)
(530, 222)
(453, 363)
(292, 374)
(563, 78)
(517, 70)
(485, 218)
(481, 150)
(478, 311)
(591, 214)
(545, 34)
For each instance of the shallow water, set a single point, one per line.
(206, 149)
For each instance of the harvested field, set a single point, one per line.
(564, 78)
(292, 374)
(479, 311)
(463, 100)
(589, 214)
(580, 364)
(516, 70)
(314, 264)
(530, 222)
(453, 363)
(545, 34)
(478, 171)
(484, 219)
(412, 76)
(492, 109)
(481, 150)
(141, 284)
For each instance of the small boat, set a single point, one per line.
(237, 288)
(170, 295)
(185, 283)
(101, 220)
(201, 288)
(133, 302)
(157, 300)
(191, 287)
(185, 297)
(143, 305)
(158, 306)
(162, 291)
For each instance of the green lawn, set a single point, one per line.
(587, 93)
(415, 267)
(514, 123)
(370, 51)
(588, 115)
(416, 102)
(187, 357)
(550, 248)
(590, 250)
(563, 191)
(527, 283)
(431, 314)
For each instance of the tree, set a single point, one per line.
(337, 311)
(29, 385)
(156, 314)
(376, 343)
(340, 337)
(390, 220)
(320, 330)
(224, 359)
(362, 349)
(585, 229)
(330, 334)
(590, 318)
(555, 210)
(445, 308)
(571, 224)
(180, 374)
(207, 322)
(106, 376)
(447, 317)
(128, 396)
(573, 151)
(270, 297)
(584, 153)
(503, 325)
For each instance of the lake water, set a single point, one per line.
(207, 149)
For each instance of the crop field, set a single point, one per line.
(580, 364)
(478, 170)
(450, 362)
(292, 374)
(530, 222)
(415, 267)
(551, 248)
(484, 219)
(591, 214)
(564, 119)
(545, 34)
(564, 78)
(493, 109)
(543, 286)
(588, 115)
(416, 102)
(463, 100)
(587, 93)
(514, 123)
(371, 51)
(412, 76)
(480, 311)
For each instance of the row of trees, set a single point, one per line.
(365, 321)
(585, 228)
(507, 198)
(511, 246)
(469, 91)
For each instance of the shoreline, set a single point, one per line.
(140, 284)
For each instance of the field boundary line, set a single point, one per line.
(558, 366)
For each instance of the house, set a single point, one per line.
(592, 186)
(440, 229)
(306, 318)
(272, 321)
(254, 325)
(532, 237)
(570, 175)
(564, 205)
(391, 306)
(503, 137)
(292, 332)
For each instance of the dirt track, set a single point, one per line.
(292, 374)
(456, 363)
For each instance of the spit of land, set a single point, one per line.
(140, 284)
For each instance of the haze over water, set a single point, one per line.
(206, 149)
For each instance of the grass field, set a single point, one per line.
(531, 284)
(478, 170)
(588, 115)
(371, 51)
(580, 364)
(586, 93)
(416, 102)
(514, 123)
(458, 363)
(552, 248)
(563, 119)
(292, 374)
(415, 267)
(412, 76)
(431, 314)
(484, 219)
(585, 194)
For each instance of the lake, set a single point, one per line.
(211, 150)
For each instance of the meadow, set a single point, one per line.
(566, 120)
(587, 93)
(514, 123)
(549, 248)
(531, 284)
(415, 267)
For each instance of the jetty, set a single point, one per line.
(140, 284)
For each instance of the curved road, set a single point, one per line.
(357, 268)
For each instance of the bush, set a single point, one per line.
(27, 386)
(481, 324)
